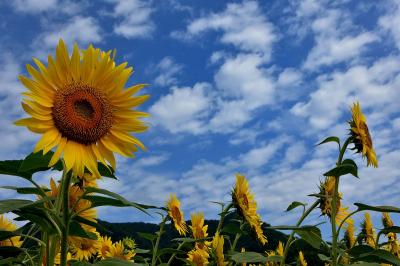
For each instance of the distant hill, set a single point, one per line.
(118, 231)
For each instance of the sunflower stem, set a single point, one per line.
(174, 254)
(65, 182)
(288, 242)
(160, 232)
(223, 213)
(237, 236)
(334, 204)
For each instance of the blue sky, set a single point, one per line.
(236, 86)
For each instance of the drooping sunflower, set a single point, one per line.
(7, 225)
(80, 105)
(199, 230)
(349, 235)
(360, 135)
(367, 231)
(176, 214)
(198, 257)
(246, 206)
(117, 250)
(218, 249)
(302, 261)
(327, 189)
(105, 246)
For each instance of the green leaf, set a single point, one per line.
(342, 169)
(311, 235)
(169, 251)
(98, 226)
(380, 256)
(11, 167)
(6, 234)
(36, 162)
(232, 228)
(292, 227)
(330, 139)
(295, 204)
(363, 263)
(114, 262)
(249, 257)
(365, 207)
(25, 190)
(324, 257)
(9, 251)
(37, 216)
(124, 201)
(13, 204)
(75, 229)
(191, 240)
(104, 201)
(147, 236)
(392, 229)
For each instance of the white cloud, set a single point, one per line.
(134, 18)
(83, 30)
(243, 25)
(334, 41)
(375, 87)
(184, 109)
(390, 22)
(34, 6)
(167, 70)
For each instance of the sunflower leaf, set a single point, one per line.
(365, 207)
(294, 205)
(76, 229)
(24, 190)
(343, 169)
(248, 257)
(330, 139)
(311, 235)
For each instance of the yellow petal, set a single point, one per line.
(58, 152)
(47, 138)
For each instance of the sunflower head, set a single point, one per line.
(246, 206)
(117, 250)
(176, 214)
(301, 260)
(349, 236)
(199, 230)
(386, 220)
(367, 232)
(360, 135)
(218, 249)
(105, 246)
(198, 257)
(83, 249)
(7, 225)
(81, 107)
(129, 243)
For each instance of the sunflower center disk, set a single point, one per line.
(82, 113)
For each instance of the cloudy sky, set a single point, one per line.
(236, 86)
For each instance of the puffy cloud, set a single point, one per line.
(34, 6)
(134, 18)
(243, 25)
(167, 70)
(184, 109)
(390, 22)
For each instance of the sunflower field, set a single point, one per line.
(80, 104)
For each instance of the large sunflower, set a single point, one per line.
(367, 232)
(6, 225)
(80, 105)
(84, 248)
(360, 135)
(198, 256)
(176, 214)
(246, 206)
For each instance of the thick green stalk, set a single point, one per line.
(66, 219)
(160, 232)
(288, 242)
(334, 204)
(223, 213)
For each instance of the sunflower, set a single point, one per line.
(80, 105)
(7, 225)
(302, 261)
(218, 248)
(129, 243)
(349, 236)
(117, 250)
(57, 258)
(105, 246)
(176, 214)
(83, 249)
(367, 232)
(386, 220)
(278, 252)
(198, 257)
(326, 191)
(246, 206)
(199, 230)
(360, 135)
